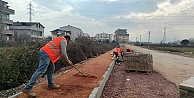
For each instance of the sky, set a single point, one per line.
(166, 20)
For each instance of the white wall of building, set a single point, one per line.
(75, 32)
(34, 31)
(103, 36)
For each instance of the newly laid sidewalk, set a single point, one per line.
(77, 86)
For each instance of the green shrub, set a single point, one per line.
(17, 65)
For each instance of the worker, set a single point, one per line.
(121, 52)
(49, 54)
(118, 52)
(129, 50)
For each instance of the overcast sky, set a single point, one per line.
(97, 16)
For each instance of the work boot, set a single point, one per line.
(30, 93)
(55, 86)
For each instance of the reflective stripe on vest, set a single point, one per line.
(53, 49)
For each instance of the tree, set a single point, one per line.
(107, 41)
(185, 42)
(49, 38)
(113, 41)
(191, 41)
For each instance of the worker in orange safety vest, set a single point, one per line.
(49, 54)
(118, 52)
(129, 50)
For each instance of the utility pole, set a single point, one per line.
(30, 12)
(174, 40)
(164, 38)
(149, 39)
(1, 34)
(140, 38)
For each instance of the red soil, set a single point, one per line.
(74, 85)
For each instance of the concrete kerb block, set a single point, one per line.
(102, 83)
(105, 76)
(94, 93)
(15, 96)
(92, 96)
(186, 88)
(97, 91)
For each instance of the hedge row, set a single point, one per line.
(17, 64)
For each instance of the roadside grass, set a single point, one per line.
(180, 49)
(185, 50)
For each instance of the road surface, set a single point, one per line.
(174, 68)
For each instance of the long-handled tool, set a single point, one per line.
(84, 73)
(79, 70)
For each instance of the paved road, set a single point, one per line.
(174, 68)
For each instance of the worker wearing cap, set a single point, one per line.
(49, 54)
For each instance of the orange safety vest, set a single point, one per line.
(118, 50)
(129, 49)
(121, 50)
(53, 49)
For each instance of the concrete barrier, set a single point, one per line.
(186, 88)
(97, 91)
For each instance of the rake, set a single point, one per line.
(83, 73)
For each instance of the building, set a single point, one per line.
(57, 32)
(5, 22)
(101, 37)
(92, 38)
(75, 32)
(32, 30)
(121, 36)
(86, 35)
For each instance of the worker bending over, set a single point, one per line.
(49, 54)
(117, 53)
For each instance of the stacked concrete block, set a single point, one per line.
(138, 62)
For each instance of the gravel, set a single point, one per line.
(122, 84)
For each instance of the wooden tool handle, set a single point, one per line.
(78, 70)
